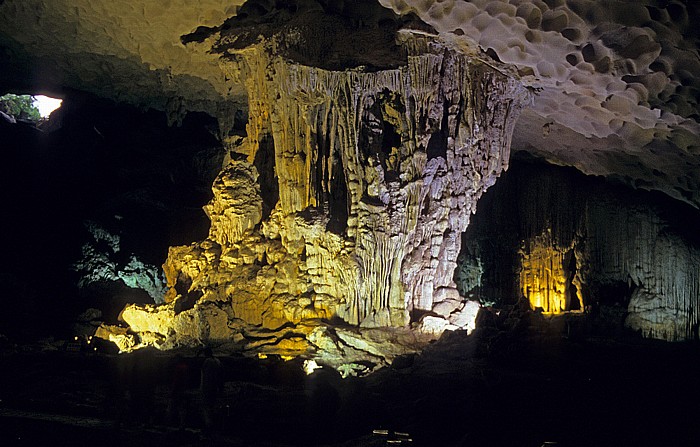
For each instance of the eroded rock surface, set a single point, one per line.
(375, 176)
(578, 244)
(366, 150)
(616, 81)
(128, 52)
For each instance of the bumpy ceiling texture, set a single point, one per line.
(616, 82)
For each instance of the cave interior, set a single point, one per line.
(406, 222)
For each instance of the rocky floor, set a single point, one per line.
(490, 389)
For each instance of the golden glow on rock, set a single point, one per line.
(339, 206)
(547, 276)
(118, 335)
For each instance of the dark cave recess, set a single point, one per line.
(111, 164)
(314, 33)
(533, 198)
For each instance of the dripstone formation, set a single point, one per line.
(348, 143)
(344, 205)
(574, 244)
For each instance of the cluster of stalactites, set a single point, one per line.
(548, 276)
(633, 245)
(346, 199)
(614, 244)
(395, 160)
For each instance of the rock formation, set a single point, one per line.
(616, 81)
(372, 129)
(99, 263)
(347, 199)
(625, 68)
(547, 278)
(582, 245)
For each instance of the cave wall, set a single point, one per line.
(128, 52)
(568, 242)
(364, 156)
(616, 81)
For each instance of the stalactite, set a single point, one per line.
(405, 218)
(628, 243)
(401, 155)
(545, 279)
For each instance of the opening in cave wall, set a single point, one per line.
(46, 104)
(28, 107)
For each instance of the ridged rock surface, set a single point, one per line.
(572, 243)
(375, 176)
(616, 81)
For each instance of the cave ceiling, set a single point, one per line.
(615, 83)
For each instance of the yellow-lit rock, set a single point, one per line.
(117, 335)
(546, 279)
(346, 200)
(236, 207)
(126, 51)
(154, 319)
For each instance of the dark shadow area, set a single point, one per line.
(437, 145)
(264, 162)
(509, 384)
(533, 198)
(338, 198)
(122, 169)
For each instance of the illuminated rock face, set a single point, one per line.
(617, 81)
(634, 245)
(609, 76)
(357, 182)
(571, 243)
(126, 51)
(348, 197)
(547, 277)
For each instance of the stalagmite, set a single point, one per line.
(348, 197)
(545, 277)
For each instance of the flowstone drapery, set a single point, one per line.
(347, 198)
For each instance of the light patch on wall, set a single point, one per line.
(547, 276)
(46, 104)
